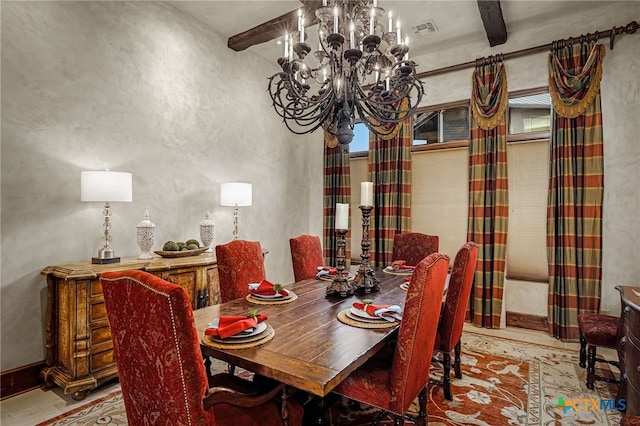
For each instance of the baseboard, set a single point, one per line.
(20, 380)
(528, 321)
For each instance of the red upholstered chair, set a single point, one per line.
(392, 388)
(597, 330)
(240, 262)
(162, 375)
(454, 311)
(412, 247)
(306, 256)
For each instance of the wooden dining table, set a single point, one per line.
(311, 350)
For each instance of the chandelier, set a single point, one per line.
(361, 72)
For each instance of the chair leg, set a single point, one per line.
(591, 366)
(446, 379)
(232, 369)
(284, 411)
(422, 407)
(398, 420)
(457, 361)
(583, 351)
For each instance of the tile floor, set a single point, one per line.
(38, 405)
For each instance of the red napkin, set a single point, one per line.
(231, 325)
(332, 271)
(388, 312)
(401, 264)
(268, 289)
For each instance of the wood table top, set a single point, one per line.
(311, 350)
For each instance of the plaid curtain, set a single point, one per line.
(390, 172)
(576, 181)
(337, 189)
(488, 191)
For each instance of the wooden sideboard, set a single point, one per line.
(78, 339)
(629, 350)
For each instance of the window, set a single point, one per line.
(360, 142)
(530, 114)
(443, 125)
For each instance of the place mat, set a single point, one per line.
(257, 301)
(344, 318)
(401, 272)
(243, 343)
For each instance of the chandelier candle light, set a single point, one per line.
(340, 284)
(106, 186)
(365, 280)
(361, 71)
(235, 194)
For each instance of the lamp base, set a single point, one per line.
(101, 261)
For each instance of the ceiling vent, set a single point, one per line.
(424, 28)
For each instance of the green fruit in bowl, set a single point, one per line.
(170, 246)
(181, 245)
(192, 241)
(192, 246)
(184, 249)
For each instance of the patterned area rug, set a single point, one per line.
(505, 382)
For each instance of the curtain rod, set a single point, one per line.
(630, 28)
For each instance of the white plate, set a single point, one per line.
(363, 314)
(271, 296)
(262, 326)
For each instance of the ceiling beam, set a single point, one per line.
(274, 28)
(491, 14)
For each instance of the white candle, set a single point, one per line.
(335, 19)
(377, 73)
(373, 16)
(387, 83)
(302, 30)
(324, 3)
(299, 18)
(342, 216)
(352, 35)
(375, 3)
(406, 42)
(366, 194)
(390, 21)
(286, 44)
(320, 40)
(399, 35)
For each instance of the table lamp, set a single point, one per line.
(235, 194)
(106, 186)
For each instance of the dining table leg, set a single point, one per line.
(284, 411)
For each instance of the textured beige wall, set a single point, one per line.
(620, 90)
(142, 88)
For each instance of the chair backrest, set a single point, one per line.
(417, 334)
(412, 247)
(240, 263)
(306, 256)
(458, 292)
(157, 349)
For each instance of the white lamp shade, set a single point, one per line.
(106, 186)
(235, 194)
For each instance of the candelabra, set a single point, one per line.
(365, 280)
(340, 283)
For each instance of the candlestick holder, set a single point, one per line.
(340, 284)
(365, 280)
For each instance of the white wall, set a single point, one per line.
(143, 88)
(620, 90)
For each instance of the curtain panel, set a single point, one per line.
(390, 172)
(576, 184)
(336, 189)
(488, 191)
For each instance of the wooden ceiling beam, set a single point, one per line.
(493, 21)
(274, 28)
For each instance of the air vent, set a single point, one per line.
(424, 28)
